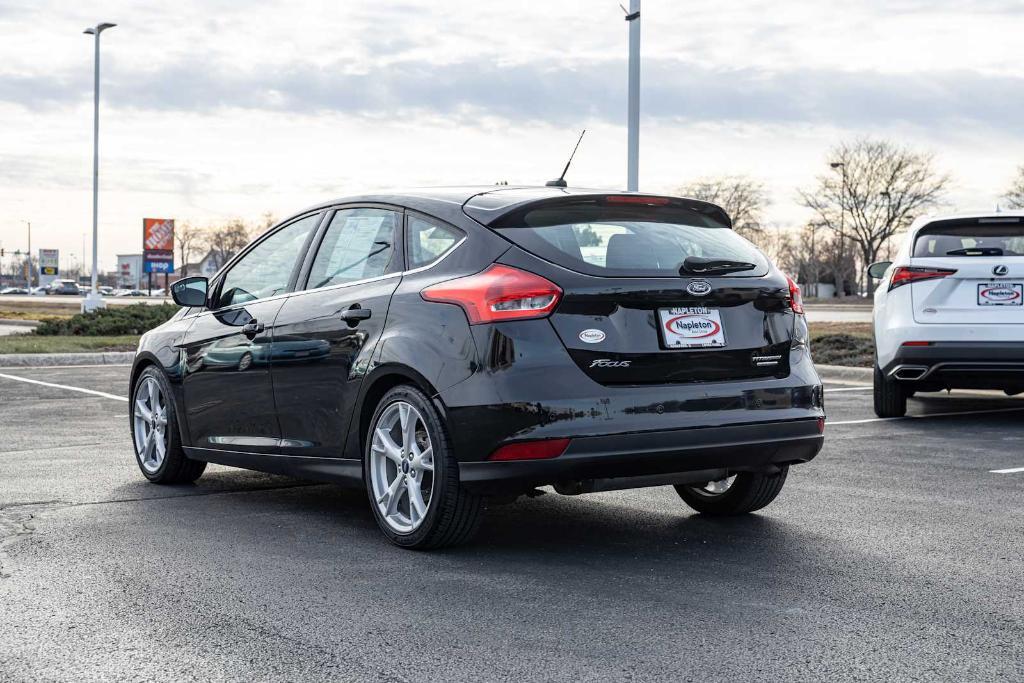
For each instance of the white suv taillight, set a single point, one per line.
(905, 275)
(498, 293)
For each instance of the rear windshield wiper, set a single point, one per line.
(976, 251)
(698, 265)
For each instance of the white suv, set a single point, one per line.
(949, 310)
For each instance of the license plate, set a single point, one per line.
(1001, 294)
(691, 328)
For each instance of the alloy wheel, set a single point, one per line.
(402, 467)
(150, 422)
(716, 488)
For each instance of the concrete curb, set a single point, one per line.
(841, 373)
(28, 360)
(19, 322)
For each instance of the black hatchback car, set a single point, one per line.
(446, 347)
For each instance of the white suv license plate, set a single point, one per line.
(1001, 294)
(691, 328)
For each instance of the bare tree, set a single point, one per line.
(1015, 195)
(226, 240)
(189, 238)
(873, 189)
(742, 198)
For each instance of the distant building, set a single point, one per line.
(129, 271)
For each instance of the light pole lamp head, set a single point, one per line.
(99, 28)
(837, 164)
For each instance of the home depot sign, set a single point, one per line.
(158, 245)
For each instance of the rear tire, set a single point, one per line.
(452, 514)
(890, 396)
(749, 491)
(154, 427)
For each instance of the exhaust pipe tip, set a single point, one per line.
(909, 373)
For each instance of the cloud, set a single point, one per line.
(589, 91)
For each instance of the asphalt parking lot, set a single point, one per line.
(897, 554)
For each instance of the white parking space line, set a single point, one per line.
(68, 367)
(102, 394)
(864, 387)
(1012, 470)
(923, 417)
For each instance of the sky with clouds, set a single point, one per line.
(214, 109)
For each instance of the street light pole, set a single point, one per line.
(93, 300)
(841, 279)
(633, 114)
(29, 224)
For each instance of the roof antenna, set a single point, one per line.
(560, 180)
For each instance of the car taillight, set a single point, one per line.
(498, 293)
(796, 299)
(531, 450)
(904, 275)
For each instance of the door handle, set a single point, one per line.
(252, 328)
(355, 313)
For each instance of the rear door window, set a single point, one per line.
(630, 241)
(359, 244)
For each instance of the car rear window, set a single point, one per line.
(994, 238)
(629, 241)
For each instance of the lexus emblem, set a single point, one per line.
(699, 288)
(1000, 271)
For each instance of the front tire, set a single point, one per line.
(739, 494)
(155, 434)
(412, 477)
(890, 396)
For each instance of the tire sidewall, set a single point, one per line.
(441, 451)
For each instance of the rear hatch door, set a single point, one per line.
(635, 311)
(986, 285)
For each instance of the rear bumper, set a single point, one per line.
(659, 457)
(961, 365)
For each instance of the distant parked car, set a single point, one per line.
(949, 310)
(65, 287)
(106, 291)
(39, 291)
(13, 290)
(131, 292)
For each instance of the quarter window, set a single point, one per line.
(358, 245)
(429, 241)
(266, 269)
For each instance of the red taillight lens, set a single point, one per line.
(796, 299)
(904, 275)
(917, 343)
(531, 450)
(821, 425)
(498, 293)
(636, 199)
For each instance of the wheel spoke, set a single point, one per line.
(391, 497)
(383, 443)
(417, 508)
(151, 387)
(142, 411)
(408, 421)
(425, 460)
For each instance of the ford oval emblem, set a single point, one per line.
(592, 336)
(699, 288)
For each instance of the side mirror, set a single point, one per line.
(190, 291)
(877, 270)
